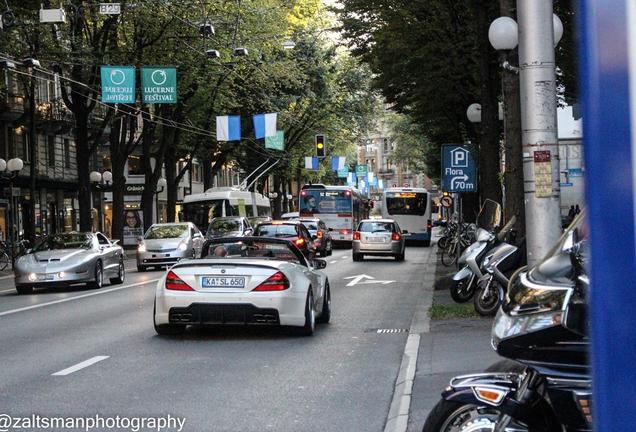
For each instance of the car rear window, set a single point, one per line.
(311, 226)
(376, 227)
(265, 230)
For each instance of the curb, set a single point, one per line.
(399, 412)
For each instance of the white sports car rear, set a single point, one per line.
(246, 280)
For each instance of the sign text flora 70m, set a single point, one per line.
(459, 173)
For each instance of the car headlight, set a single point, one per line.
(182, 246)
(142, 248)
(33, 277)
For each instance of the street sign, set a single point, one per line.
(159, 85)
(276, 142)
(361, 171)
(459, 173)
(109, 8)
(543, 174)
(446, 201)
(118, 84)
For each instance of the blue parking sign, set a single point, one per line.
(459, 173)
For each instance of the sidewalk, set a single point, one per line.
(452, 347)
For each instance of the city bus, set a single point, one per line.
(411, 209)
(201, 208)
(341, 208)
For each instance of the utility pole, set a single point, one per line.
(539, 126)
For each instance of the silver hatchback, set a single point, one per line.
(378, 237)
(165, 244)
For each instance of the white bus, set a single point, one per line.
(201, 208)
(341, 208)
(411, 209)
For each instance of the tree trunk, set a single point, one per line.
(489, 159)
(514, 203)
(151, 174)
(172, 184)
(83, 169)
(33, 153)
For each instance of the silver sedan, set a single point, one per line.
(64, 259)
(380, 237)
(164, 244)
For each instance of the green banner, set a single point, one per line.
(343, 173)
(159, 85)
(118, 84)
(276, 142)
(361, 171)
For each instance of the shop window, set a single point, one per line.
(67, 153)
(50, 147)
(135, 167)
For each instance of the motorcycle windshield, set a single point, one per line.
(489, 215)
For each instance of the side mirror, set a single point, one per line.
(405, 232)
(320, 264)
(329, 229)
(197, 235)
(314, 237)
(114, 242)
(249, 231)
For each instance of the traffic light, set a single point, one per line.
(321, 145)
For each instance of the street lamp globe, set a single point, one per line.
(162, 183)
(503, 34)
(95, 177)
(558, 29)
(107, 176)
(15, 165)
(3, 165)
(474, 113)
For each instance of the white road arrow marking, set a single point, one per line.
(357, 280)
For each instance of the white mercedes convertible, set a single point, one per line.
(244, 280)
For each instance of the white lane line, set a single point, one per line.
(344, 257)
(6, 277)
(80, 366)
(9, 290)
(102, 291)
(330, 262)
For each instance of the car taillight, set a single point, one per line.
(396, 236)
(276, 282)
(174, 283)
(319, 234)
(299, 241)
(356, 235)
(344, 231)
(429, 225)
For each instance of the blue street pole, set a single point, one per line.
(609, 118)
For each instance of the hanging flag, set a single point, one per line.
(311, 163)
(351, 179)
(265, 125)
(228, 128)
(338, 162)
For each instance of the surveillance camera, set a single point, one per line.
(213, 54)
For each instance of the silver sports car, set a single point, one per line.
(244, 280)
(69, 258)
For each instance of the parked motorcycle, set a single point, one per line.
(542, 327)
(465, 280)
(500, 263)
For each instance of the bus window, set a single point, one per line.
(406, 203)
